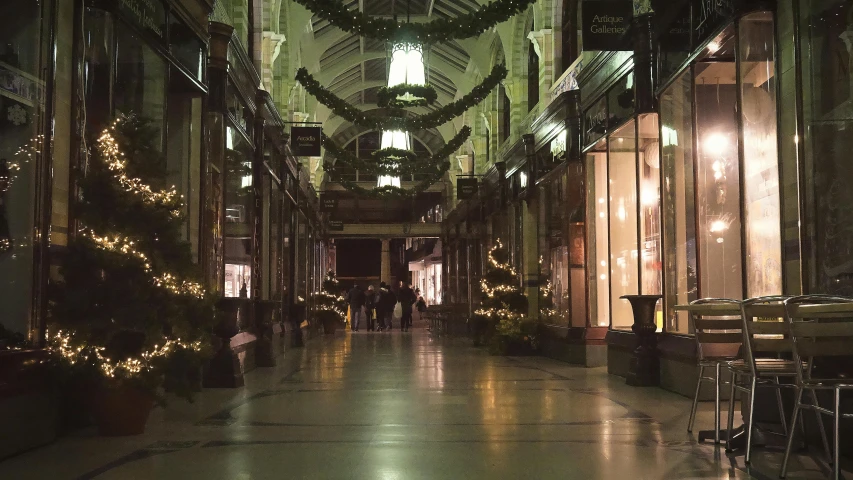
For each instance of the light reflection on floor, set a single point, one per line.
(408, 406)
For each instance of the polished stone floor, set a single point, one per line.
(407, 406)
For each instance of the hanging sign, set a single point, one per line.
(328, 203)
(466, 188)
(147, 14)
(306, 141)
(606, 24)
(336, 225)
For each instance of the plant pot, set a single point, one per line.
(330, 326)
(121, 411)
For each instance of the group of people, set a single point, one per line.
(376, 308)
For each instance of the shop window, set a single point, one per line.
(760, 162)
(24, 47)
(140, 81)
(98, 63)
(238, 203)
(598, 263)
(187, 48)
(183, 157)
(648, 165)
(624, 252)
(680, 227)
(718, 172)
(827, 69)
(620, 101)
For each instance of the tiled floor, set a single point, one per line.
(406, 406)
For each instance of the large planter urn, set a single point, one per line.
(121, 410)
(644, 367)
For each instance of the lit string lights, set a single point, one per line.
(62, 344)
(125, 246)
(116, 162)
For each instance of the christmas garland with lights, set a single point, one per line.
(389, 96)
(397, 161)
(388, 191)
(438, 30)
(395, 118)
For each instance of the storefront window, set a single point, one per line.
(238, 201)
(826, 42)
(24, 53)
(622, 184)
(140, 81)
(760, 157)
(719, 242)
(648, 147)
(680, 227)
(718, 171)
(598, 267)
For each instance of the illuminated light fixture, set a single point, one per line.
(407, 66)
(670, 136)
(716, 143)
(522, 177)
(718, 226)
(714, 47)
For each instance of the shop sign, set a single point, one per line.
(466, 188)
(20, 86)
(336, 225)
(595, 120)
(306, 141)
(709, 16)
(606, 24)
(328, 203)
(147, 14)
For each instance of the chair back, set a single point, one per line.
(765, 329)
(821, 326)
(718, 328)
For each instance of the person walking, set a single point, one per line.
(387, 301)
(369, 308)
(420, 304)
(407, 298)
(355, 297)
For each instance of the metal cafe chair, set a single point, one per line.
(718, 328)
(766, 339)
(820, 326)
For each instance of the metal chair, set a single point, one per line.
(820, 326)
(766, 339)
(718, 327)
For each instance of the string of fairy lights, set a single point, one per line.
(491, 290)
(117, 164)
(61, 343)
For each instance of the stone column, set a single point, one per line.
(385, 269)
(530, 232)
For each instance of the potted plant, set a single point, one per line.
(127, 311)
(504, 306)
(330, 307)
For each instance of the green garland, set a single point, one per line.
(405, 163)
(388, 96)
(395, 118)
(439, 30)
(388, 191)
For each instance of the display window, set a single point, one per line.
(627, 226)
(24, 57)
(720, 170)
(562, 246)
(826, 45)
(238, 203)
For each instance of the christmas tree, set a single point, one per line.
(128, 306)
(504, 304)
(331, 307)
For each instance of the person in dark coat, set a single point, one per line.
(407, 298)
(387, 301)
(369, 308)
(355, 298)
